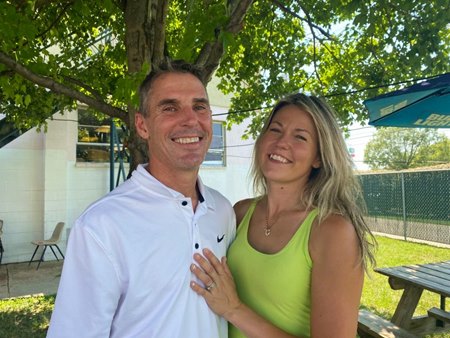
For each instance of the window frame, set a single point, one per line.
(96, 151)
(221, 150)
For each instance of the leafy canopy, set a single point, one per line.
(54, 54)
(333, 47)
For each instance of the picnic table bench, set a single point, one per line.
(372, 325)
(413, 280)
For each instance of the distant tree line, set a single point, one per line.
(404, 148)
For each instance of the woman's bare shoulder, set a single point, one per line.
(240, 208)
(335, 235)
(335, 228)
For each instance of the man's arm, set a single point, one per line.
(89, 289)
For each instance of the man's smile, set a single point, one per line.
(186, 140)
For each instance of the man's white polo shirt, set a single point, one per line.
(126, 272)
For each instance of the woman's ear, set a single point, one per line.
(317, 163)
(141, 126)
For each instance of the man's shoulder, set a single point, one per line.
(124, 195)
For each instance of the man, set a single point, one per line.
(126, 272)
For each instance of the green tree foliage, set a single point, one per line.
(437, 153)
(403, 148)
(55, 54)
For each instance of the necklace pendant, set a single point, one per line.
(267, 231)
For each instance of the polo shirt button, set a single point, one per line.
(184, 203)
(197, 246)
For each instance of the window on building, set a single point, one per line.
(94, 141)
(216, 152)
(94, 135)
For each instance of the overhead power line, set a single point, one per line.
(334, 94)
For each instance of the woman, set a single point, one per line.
(302, 247)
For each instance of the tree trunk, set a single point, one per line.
(145, 22)
(144, 42)
(136, 145)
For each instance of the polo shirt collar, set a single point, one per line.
(149, 182)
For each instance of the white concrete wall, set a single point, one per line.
(42, 184)
(21, 194)
(233, 180)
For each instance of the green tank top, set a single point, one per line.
(276, 286)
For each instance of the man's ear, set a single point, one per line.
(141, 126)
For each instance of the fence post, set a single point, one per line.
(403, 204)
(112, 133)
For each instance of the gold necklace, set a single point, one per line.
(267, 228)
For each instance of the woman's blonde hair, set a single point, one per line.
(333, 188)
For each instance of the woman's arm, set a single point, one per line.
(222, 298)
(337, 278)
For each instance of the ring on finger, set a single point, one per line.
(211, 286)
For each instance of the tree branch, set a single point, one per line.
(145, 23)
(288, 11)
(89, 89)
(59, 88)
(38, 4)
(211, 52)
(58, 17)
(312, 26)
(159, 32)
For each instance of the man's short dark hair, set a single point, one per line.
(169, 66)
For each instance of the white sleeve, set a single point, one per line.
(89, 289)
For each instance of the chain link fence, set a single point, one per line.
(410, 204)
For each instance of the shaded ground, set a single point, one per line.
(19, 279)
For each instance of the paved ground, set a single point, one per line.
(19, 279)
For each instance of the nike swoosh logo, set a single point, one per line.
(219, 239)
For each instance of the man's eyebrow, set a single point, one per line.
(200, 100)
(175, 101)
(166, 101)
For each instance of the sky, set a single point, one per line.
(357, 141)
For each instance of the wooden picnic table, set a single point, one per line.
(413, 279)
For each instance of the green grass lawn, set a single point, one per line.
(29, 316)
(26, 317)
